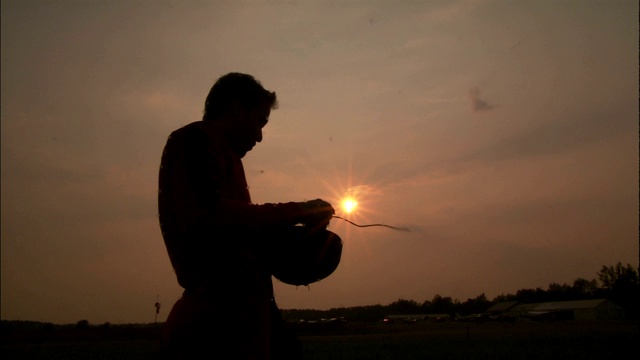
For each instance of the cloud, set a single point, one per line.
(563, 133)
(362, 190)
(448, 11)
(478, 104)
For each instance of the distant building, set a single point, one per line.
(406, 318)
(521, 310)
(411, 318)
(438, 317)
(599, 309)
(501, 307)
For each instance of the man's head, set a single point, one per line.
(242, 105)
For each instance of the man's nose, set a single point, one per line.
(259, 135)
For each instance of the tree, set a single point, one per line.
(532, 295)
(618, 276)
(442, 305)
(403, 306)
(585, 289)
(621, 285)
(477, 305)
(504, 298)
(557, 292)
(82, 325)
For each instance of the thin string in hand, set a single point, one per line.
(369, 225)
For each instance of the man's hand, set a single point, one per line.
(316, 214)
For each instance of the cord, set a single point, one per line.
(369, 225)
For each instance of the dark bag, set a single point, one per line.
(301, 256)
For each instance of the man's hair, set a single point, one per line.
(236, 88)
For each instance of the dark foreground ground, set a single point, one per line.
(520, 340)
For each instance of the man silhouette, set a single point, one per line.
(217, 240)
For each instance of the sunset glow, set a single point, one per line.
(465, 147)
(349, 204)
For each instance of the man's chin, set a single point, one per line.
(248, 149)
(242, 153)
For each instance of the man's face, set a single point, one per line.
(246, 129)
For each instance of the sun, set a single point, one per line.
(349, 204)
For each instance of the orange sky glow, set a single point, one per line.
(503, 134)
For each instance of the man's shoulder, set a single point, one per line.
(191, 128)
(194, 131)
(200, 126)
(199, 135)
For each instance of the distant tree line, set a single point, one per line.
(18, 331)
(618, 283)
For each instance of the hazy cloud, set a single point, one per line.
(563, 133)
(478, 104)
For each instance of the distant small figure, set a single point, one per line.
(157, 307)
(221, 245)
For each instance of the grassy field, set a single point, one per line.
(561, 340)
(521, 340)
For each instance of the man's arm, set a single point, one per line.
(233, 213)
(194, 186)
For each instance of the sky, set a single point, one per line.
(504, 134)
